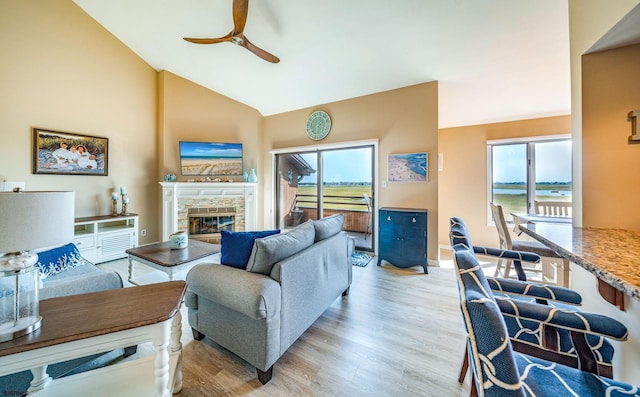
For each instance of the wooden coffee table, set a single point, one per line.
(170, 261)
(80, 325)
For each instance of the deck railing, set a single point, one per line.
(355, 210)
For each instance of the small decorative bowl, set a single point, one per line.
(178, 240)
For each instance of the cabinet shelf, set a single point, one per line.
(105, 238)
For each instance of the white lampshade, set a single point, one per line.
(32, 220)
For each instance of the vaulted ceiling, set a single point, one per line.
(495, 60)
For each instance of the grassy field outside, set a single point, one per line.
(350, 197)
(344, 197)
(539, 186)
(518, 202)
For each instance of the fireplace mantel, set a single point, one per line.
(175, 195)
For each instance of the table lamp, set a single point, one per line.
(28, 221)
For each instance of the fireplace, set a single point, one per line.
(237, 200)
(206, 223)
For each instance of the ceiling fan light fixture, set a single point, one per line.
(236, 36)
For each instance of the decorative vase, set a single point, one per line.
(245, 177)
(252, 175)
(178, 240)
(170, 177)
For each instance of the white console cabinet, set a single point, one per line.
(105, 238)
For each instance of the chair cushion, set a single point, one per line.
(57, 260)
(269, 250)
(329, 226)
(543, 378)
(236, 247)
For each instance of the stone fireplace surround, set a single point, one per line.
(178, 197)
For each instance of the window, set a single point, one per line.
(325, 181)
(522, 171)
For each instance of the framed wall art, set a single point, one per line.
(66, 153)
(408, 167)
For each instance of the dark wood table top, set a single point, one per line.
(161, 254)
(76, 317)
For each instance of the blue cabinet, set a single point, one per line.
(402, 237)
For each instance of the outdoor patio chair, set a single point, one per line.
(369, 202)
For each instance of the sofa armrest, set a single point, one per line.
(255, 295)
(79, 280)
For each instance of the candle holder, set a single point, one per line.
(114, 210)
(125, 201)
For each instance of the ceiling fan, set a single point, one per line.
(236, 36)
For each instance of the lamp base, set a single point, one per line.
(23, 326)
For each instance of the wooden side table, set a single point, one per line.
(160, 257)
(80, 325)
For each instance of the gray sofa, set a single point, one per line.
(79, 280)
(290, 280)
(67, 273)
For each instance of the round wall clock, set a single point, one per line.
(318, 125)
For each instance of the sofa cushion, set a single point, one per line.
(59, 259)
(236, 247)
(329, 226)
(269, 250)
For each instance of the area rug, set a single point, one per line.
(360, 259)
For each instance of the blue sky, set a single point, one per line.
(351, 165)
(553, 162)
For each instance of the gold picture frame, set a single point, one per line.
(67, 153)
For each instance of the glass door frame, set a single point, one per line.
(322, 147)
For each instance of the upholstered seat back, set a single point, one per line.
(494, 366)
(459, 233)
(497, 370)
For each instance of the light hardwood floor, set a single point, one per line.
(398, 333)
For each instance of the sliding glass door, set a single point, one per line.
(321, 183)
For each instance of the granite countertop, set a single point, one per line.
(613, 255)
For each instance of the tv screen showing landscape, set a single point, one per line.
(210, 159)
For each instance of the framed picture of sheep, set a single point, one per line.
(66, 153)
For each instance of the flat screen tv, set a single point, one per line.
(210, 159)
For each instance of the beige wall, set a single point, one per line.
(403, 120)
(588, 22)
(62, 71)
(611, 178)
(462, 189)
(190, 112)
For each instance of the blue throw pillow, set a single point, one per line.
(59, 259)
(236, 246)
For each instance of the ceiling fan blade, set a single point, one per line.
(222, 39)
(259, 51)
(240, 11)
